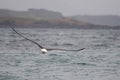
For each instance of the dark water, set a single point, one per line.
(22, 60)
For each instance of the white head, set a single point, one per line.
(44, 50)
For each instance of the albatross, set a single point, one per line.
(43, 49)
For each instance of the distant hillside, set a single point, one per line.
(43, 18)
(41, 14)
(56, 23)
(100, 20)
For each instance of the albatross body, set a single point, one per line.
(43, 49)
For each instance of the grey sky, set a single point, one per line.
(67, 7)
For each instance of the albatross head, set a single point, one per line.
(44, 50)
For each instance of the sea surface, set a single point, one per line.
(23, 60)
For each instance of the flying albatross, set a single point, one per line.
(43, 49)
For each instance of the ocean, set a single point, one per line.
(23, 60)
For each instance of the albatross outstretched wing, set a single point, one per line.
(49, 49)
(27, 38)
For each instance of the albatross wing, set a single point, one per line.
(27, 38)
(64, 49)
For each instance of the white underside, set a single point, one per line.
(44, 50)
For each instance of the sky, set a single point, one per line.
(66, 7)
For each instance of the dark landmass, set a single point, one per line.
(42, 18)
(40, 14)
(109, 20)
